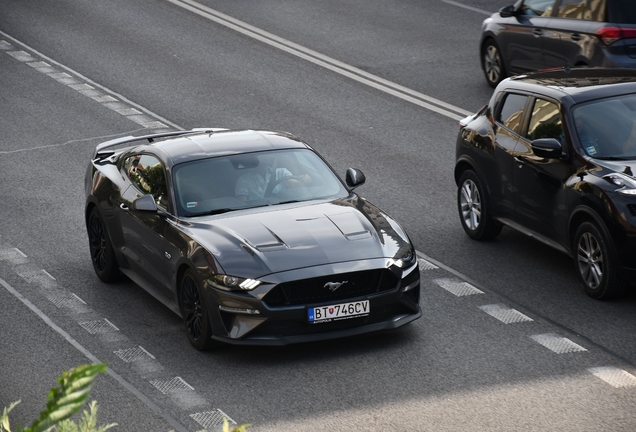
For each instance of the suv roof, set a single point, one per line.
(581, 84)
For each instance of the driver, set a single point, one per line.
(253, 184)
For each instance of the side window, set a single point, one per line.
(146, 173)
(537, 7)
(545, 121)
(511, 112)
(591, 10)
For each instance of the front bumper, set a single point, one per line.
(391, 307)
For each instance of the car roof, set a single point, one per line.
(579, 84)
(208, 144)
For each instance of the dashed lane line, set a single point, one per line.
(83, 85)
(90, 356)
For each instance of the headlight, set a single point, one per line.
(233, 283)
(626, 183)
(405, 259)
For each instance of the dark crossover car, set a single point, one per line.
(553, 155)
(249, 236)
(538, 34)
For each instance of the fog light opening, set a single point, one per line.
(244, 311)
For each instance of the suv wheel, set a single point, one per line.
(473, 208)
(596, 263)
(492, 63)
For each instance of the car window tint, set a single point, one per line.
(592, 10)
(512, 111)
(536, 7)
(255, 179)
(607, 127)
(146, 173)
(545, 121)
(621, 11)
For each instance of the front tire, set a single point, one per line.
(194, 313)
(492, 63)
(474, 211)
(102, 253)
(596, 263)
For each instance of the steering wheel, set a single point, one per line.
(272, 185)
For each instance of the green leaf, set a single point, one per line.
(69, 397)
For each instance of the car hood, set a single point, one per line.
(618, 166)
(254, 243)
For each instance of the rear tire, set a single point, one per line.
(474, 211)
(595, 263)
(102, 253)
(195, 313)
(492, 63)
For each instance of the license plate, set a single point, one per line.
(338, 312)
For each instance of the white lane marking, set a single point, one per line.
(130, 355)
(65, 300)
(326, 62)
(26, 57)
(78, 298)
(20, 252)
(98, 326)
(22, 56)
(91, 357)
(505, 314)
(48, 274)
(210, 419)
(474, 9)
(426, 265)
(457, 287)
(556, 343)
(614, 376)
(169, 386)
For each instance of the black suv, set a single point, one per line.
(537, 34)
(553, 155)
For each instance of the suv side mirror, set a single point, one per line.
(507, 12)
(145, 203)
(355, 178)
(549, 148)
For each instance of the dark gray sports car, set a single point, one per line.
(249, 236)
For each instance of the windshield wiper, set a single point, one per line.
(616, 158)
(212, 212)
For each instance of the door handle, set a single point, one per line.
(123, 206)
(520, 161)
(537, 32)
(575, 37)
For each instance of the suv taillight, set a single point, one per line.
(609, 35)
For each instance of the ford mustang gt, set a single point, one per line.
(249, 236)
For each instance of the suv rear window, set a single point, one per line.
(621, 11)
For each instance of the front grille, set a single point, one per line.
(632, 209)
(308, 291)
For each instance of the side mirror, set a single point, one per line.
(549, 148)
(507, 12)
(145, 203)
(355, 178)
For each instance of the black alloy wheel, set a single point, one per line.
(473, 208)
(194, 313)
(596, 263)
(492, 63)
(102, 254)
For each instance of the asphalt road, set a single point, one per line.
(374, 85)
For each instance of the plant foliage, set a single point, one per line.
(63, 402)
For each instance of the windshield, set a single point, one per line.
(223, 184)
(606, 128)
